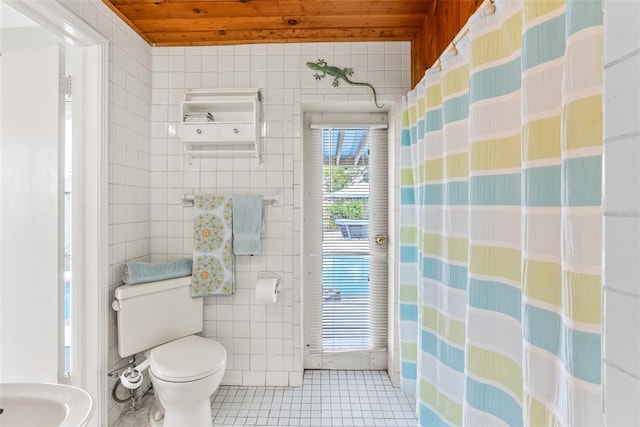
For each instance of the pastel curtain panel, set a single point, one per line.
(494, 333)
(562, 157)
(434, 241)
(409, 267)
(445, 250)
(500, 222)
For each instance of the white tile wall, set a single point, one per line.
(263, 342)
(621, 203)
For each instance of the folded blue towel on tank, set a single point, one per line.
(143, 272)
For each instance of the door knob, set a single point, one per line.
(380, 239)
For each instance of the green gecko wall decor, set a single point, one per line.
(338, 73)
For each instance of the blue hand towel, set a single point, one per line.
(247, 222)
(143, 272)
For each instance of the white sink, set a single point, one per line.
(43, 405)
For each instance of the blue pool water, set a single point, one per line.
(347, 274)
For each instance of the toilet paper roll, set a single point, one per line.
(267, 290)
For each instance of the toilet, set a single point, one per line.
(161, 319)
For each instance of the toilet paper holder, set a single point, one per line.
(272, 275)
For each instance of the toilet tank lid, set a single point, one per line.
(130, 291)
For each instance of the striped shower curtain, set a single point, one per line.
(500, 222)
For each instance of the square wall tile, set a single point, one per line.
(621, 395)
(622, 36)
(277, 378)
(621, 100)
(622, 317)
(232, 377)
(622, 175)
(253, 378)
(621, 254)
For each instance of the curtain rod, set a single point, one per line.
(275, 200)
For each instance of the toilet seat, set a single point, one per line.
(187, 359)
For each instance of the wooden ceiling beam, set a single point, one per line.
(272, 8)
(222, 37)
(278, 23)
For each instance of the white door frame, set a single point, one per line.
(334, 114)
(90, 189)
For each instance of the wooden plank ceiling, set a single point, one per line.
(224, 22)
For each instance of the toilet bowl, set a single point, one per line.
(185, 373)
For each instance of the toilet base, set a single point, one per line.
(191, 415)
(185, 404)
(156, 414)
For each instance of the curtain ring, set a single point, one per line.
(454, 50)
(491, 7)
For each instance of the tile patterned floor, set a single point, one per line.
(326, 398)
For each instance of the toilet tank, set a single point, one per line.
(151, 314)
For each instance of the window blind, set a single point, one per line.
(379, 226)
(312, 257)
(345, 270)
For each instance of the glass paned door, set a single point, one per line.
(345, 240)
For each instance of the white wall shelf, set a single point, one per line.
(232, 127)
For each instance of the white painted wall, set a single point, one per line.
(621, 278)
(30, 214)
